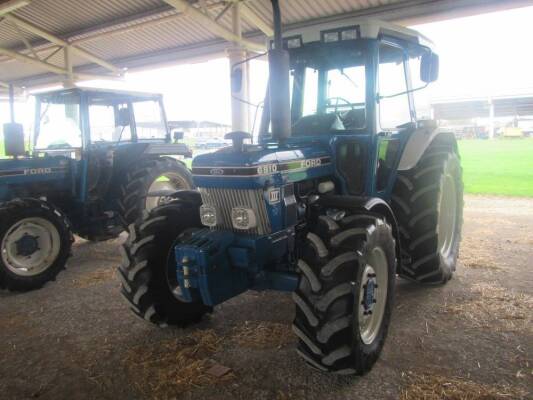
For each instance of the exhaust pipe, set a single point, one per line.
(279, 90)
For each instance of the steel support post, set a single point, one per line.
(12, 103)
(491, 118)
(240, 95)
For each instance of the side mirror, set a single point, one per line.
(14, 139)
(177, 135)
(429, 67)
(123, 117)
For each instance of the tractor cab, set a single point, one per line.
(73, 120)
(343, 77)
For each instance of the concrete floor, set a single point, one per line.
(76, 339)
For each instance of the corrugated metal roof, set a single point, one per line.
(135, 33)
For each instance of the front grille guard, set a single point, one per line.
(223, 200)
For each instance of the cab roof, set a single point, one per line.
(100, 92)
(364, 28)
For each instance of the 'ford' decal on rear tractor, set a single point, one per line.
(37, 171)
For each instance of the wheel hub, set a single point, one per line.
(27, 245)
(30, 246)
(372, 295)
(368, 293)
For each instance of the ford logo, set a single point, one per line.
(216, 171)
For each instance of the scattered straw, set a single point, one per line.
(254, 334)
(170, 368)
(434, 387)
(495, 307)
(14, 321)
(476, 254)
(95, 277)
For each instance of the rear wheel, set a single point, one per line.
(345, 293)
(35, 242)
(428, 202)
(148, 271)
(146, 185)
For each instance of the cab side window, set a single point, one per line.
(394, 109)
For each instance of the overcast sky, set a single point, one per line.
(483, 55)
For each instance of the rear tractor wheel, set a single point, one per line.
(148, 271)
(35, 242)
(345, 293)
(428, 203)
(149, 184)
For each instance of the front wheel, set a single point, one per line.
(345, 293)
(35, 242)
(148, 271)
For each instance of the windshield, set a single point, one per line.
(59, 123)
(328, 87)
(111, 119)
(149, 120)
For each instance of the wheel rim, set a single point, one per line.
(447, 219)
(168, 181)
(30, 246)
(373, 295)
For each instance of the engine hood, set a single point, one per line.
(261, 166)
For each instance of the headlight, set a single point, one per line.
(243, 218)
(208, 215)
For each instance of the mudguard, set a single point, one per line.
(189, 196)
(418, 142)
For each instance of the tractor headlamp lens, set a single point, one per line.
(208, 215)
(243, 218)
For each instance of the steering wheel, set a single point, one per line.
(330, 100)
(58, 146)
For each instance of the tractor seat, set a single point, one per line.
(353, 119)
(317, 124)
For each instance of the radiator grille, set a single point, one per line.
(226, 199)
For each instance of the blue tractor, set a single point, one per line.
(98, 159)
(345, 190)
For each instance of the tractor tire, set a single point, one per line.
(148, 268)
(35, 243)
(428, 203)
(345, 293)
(144, 179)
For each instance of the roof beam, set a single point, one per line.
(60, 42)
(213, 26)
(251, 16)
(30, 60)
(54, 68)
(24, 40)
(12, 5)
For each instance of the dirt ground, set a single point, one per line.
(470, 339)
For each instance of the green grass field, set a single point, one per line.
(499, 166)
